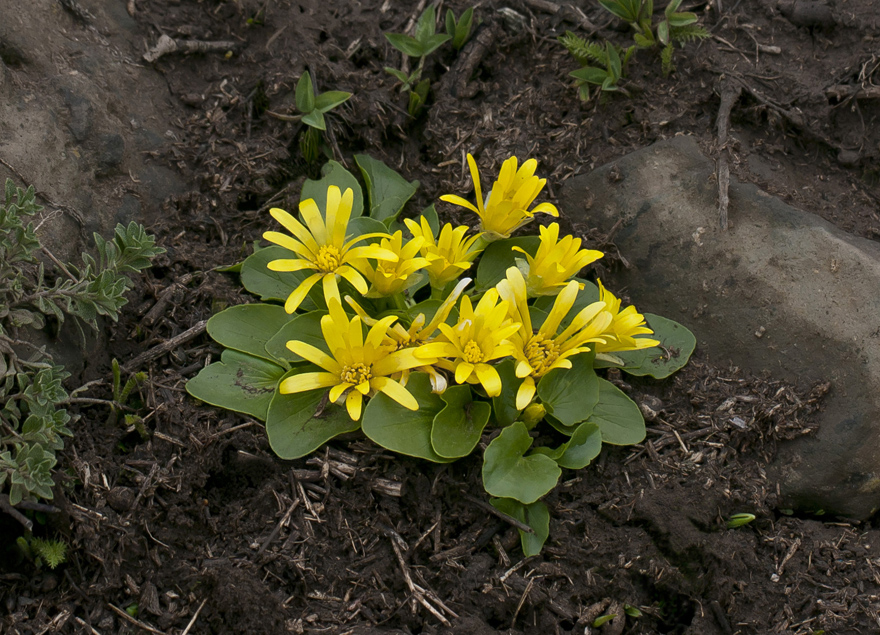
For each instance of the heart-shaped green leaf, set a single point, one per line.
(584, 445)
(677, 344)
(507, 473)
(248, 327)
(333, 173)
(388, 191)
(272, 285)
(571, 394)
(499, 256)
(458, 427)
(504, 405)
(401, 430)
(300, 423)
(617, 416)
(535, 516)
(238, 382)
(305, 328)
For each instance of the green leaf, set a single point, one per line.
(248, 327)
(326, 102)
(406, 44)
(434, 42)
(504, 405)
(642, 41)
(585, 297)
(672, 7)
(430, 214)
(663, 32)
(315, 119)
(584, 445)
(388, 191)
(398, 74)
(571, 394)
(305, 328)
(590, 74)
(603, 619)
(499, 256)
(614, 69)
(305, 94)
(620, 9)
(300, 423)
(333, 173)
(272, 285)
(682, 19)
(458, 427)
(401, 430)
(677, 343)
(238, 382)
(507, 473)
(462, 28)
(617, 416)
(426, 25)
(365, 225)
(535, 516)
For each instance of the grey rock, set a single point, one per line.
(782, 291)
(81, 114)
(111, 151)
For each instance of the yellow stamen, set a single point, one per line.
(328, 258)
(541, 353)
(472, 352)
(355, 374)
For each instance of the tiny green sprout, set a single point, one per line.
(631, 610)
(52, 552)
(739, 520)
(425, 42)
(132, 609)
(313, 108)
(459, 30)
(603, 619)
(606, 78)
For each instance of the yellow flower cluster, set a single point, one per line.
(375, 350)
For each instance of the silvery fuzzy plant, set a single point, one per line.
(33, 417)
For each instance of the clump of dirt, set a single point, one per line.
(201, 527)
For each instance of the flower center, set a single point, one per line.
(541, 353)
(355, 374)
(472, 352)
(328, 258)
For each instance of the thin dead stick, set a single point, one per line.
(730, 92)
(498, 513)
(277, 529)
(164, 299)
(197, 329)
(416, 591)
(167, 45)
(794, 547)
(84, 624)
(194, 617)
(569, 12)
(135, 621)
(844, 92)
(17, 515)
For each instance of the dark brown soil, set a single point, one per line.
(200, 529)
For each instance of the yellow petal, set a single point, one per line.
(337, 391)
(353, 402)
(307, 381)
(315, 222)
(294, 227)
(289, 265)
(314, 355)
(457, 200)
(463, 371)
(299, 294)
(283, 240)
(525, 393)
(394, 390)
(490, 379)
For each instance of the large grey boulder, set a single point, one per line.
(782, 290)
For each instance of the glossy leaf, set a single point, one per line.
(504, 405)
(535, 516)
(677, 344)
(458, 427)
(333, 173)
(272, 285)
(571, 394)
(388, 191)
(401, 430)
(584, 445)
(315, 119)
(499, 256)
(247, 327)
(326, 102)
(238, 382)
(406, 44)
(617, 416)
(304, 328)
(508, 473)
(305, 94)
(300, 423)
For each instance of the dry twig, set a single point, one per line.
(730, 92)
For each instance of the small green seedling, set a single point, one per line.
(739, 520)
(313, 108)
(603, 619)
(459, 30)
(425, 42)
(121, 393)
(631, 610)
(606, 78)
(41, 551)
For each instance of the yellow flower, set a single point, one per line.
(450, 255)
(355, 367)
(418, 332)
(625, 325)
(507, 207)
(479, 338)
(539, 352)
(321, 246)
(556, 261)
(389, 277)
